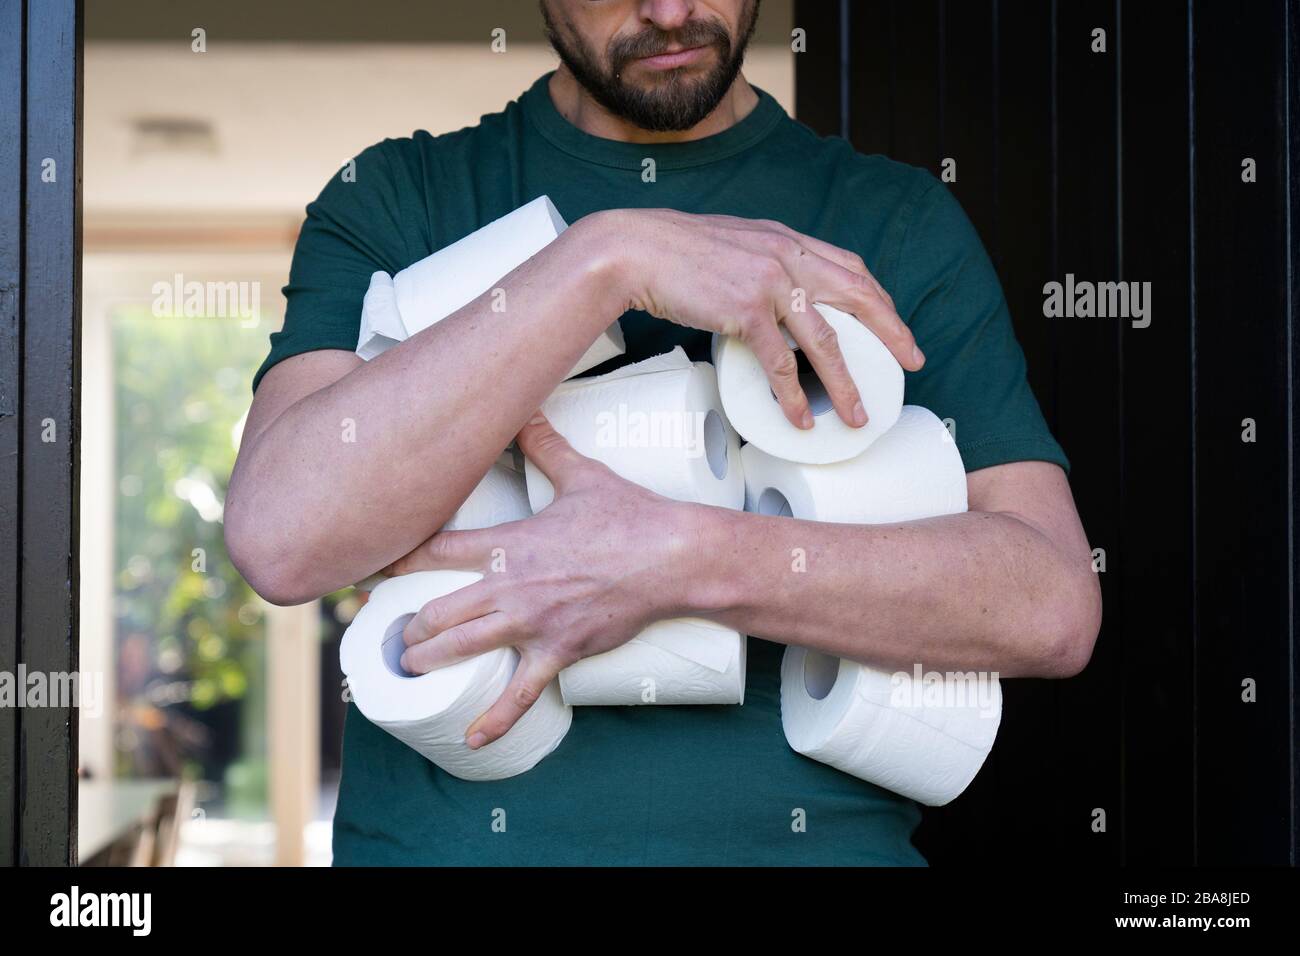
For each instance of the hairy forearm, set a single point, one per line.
(352, 476)
(973, 591)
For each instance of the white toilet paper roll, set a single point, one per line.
(381, 323)
(430, 290)
(432, 711)
(922, 736)
(912, 471)
(657, 423)
(646, 671)
(500, 497)
(874, 725)
(755, 414)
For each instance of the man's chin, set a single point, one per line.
(664, 83)
(682, 81)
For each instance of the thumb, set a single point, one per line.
(550, 451)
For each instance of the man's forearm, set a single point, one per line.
(352, 476)
(973, 591)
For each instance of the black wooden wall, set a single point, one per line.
(1125, 165)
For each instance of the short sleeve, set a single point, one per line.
(353, 229)
(974, 376)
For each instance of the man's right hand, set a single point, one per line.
(744, 277)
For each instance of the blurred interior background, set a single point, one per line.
(220, 737)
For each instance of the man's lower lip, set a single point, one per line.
(668, 61)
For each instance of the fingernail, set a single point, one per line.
(537, 421)
(918, 357)
(859, 415)
(476, 740)
(807, 420)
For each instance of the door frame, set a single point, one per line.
(40, 329)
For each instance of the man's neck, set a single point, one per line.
(577, 106)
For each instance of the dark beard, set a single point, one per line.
(678, 103)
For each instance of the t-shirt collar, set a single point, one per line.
(541, 112)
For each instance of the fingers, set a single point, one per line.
(531, 676)
(863, 297)
(782, 368)
(841, 257)
(835, 276)
(839, 279)
(818, 341)
(447, 612)
(446, 550)
(876, 311)
(551, 452)
(459, 643)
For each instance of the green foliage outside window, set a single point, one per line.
(189, 629)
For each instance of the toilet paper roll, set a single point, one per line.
(500, 497)
(381, 323)
(913, 471)
(662, 665)
(415, 298)
(754, 412)
(922, 736)
(431, 712)
(657, 423)
(874, 725)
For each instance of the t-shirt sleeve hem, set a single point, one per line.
(988, 452)
(287, 348)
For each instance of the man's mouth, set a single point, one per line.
(673, 59)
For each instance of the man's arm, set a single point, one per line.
(344, 466)
(1006, 587)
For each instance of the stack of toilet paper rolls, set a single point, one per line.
(671, 425)
(921, 734)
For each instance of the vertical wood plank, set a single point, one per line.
(50, 374)
(870, 81)
(913, 31)
(817, 69)
(11, 118)
(1089, 415)
(1023, 139)
(967, 107)
(1243, 558)
(1154, 568)
(1291, 87)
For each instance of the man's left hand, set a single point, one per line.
(587, 573)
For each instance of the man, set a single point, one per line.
(748, 213)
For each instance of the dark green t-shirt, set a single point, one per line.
(659, 785)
